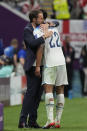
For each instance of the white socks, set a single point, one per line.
(49, 101)
(59, 107)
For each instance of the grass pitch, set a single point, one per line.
(74, 116)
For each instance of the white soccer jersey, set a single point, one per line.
(38, 32)
(53, 55)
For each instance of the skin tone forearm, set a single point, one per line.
(15, 59)
(39, 56)
(38, 60)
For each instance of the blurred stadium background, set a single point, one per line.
(72, 17)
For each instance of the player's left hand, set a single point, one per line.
(37, 71)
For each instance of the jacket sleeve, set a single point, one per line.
(30, 40)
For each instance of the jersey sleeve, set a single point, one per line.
(22, 54)
(37, 32)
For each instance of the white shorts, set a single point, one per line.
(55, 75)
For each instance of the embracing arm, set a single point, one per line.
(53, 24)
(30, 39)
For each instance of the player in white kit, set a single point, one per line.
(54, 74)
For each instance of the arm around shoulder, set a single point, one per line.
(30, 39)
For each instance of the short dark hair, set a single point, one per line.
(34, 14)
(44, 13)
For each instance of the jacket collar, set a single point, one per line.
(29, 26)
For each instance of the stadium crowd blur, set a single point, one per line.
(12, 59)
(59, 9)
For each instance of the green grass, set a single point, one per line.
(74, 117)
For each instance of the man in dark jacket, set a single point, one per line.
(34, 89)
